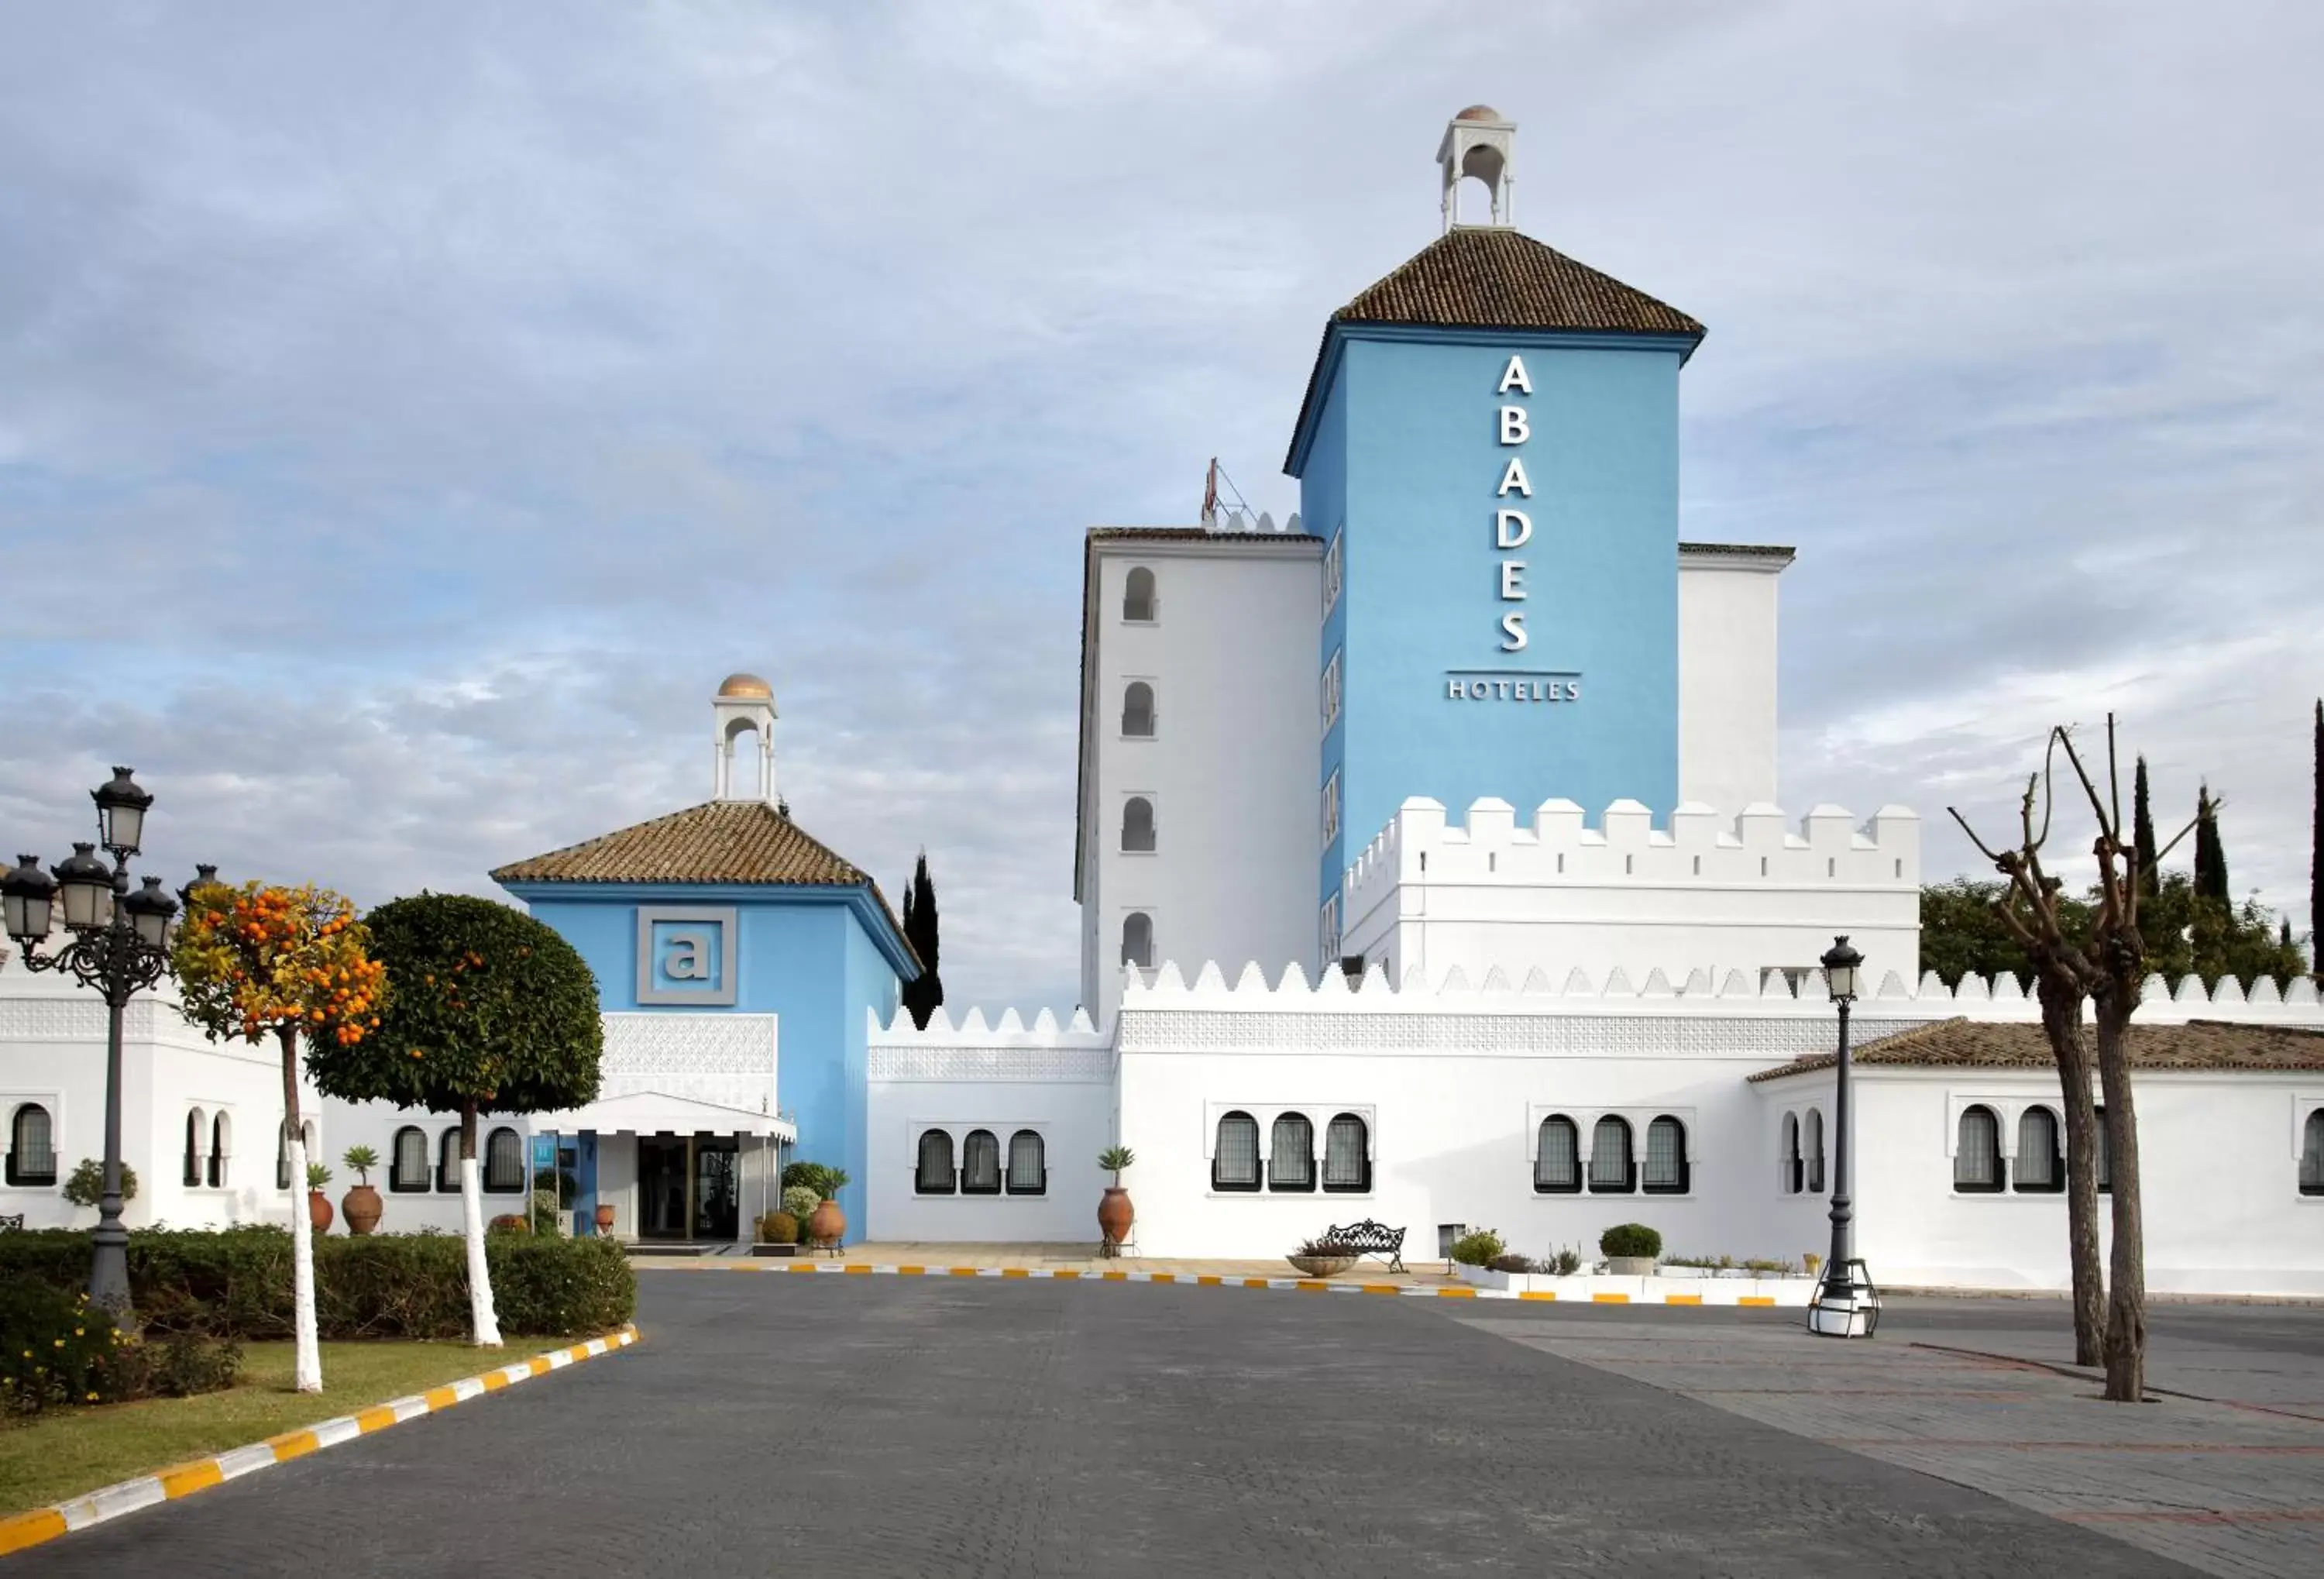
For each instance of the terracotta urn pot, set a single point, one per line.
(319, 1210)
(826, 1226)
(361, 1207)
(605, 1216)
(1115, 1214)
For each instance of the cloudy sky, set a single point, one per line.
(407, 414)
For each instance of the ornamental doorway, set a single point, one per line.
(689, 1188)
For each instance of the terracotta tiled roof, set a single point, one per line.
(1195, 534)
(1970, 1044)
(720, 841)
(1490, 278)
(1750, 550)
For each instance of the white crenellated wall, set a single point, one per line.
(1701, 895)
(1057, 1081)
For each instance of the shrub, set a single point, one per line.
(824, 1180)
(86, 1187)
(1565, 1263)
(779, 1228)
(235, 1283)
(510, 1223)
(179, 1365)
(1478, 1248)
(1630, 1239)
(1514, 1263)
(800, 1200)
(55, 1347)
(362, 1159)
(544, 1210)
(317, 1176)
(1325, 1248)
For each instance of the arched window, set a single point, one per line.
(1234, 1161)
(1138, 710)
(1815, 1150)
(221, 1149)
(934, 1176)
(1138, 940)
(1557, 1157)
(2041, 1169)
(979, 1164)
(448, 1161)
(1666, 1171)
(2312, 1154)
(1788, 1172)
(1611, 1170)
(504, 1162)
(1347, 1155)
(1977, 1157)
(1139, 603)
(1291, 1154)
(32, 1147)
(1137, 823)
(1028, 1164)
(197, 1132)
(407, 1160)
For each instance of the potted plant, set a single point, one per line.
(361, 1205)
(85, 1185)
(605, 1216)
(826, 1223)
(1322, 1257)
(778, 1235)
(1114, 1212)
(318, 1205)
(1630, 1249)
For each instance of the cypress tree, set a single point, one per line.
(2211, 855)
(925, 993)
(2142, 818)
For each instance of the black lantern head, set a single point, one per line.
(121, 808)
(85, 884)
(28, 894)
(150, 910)
(204, 876)
(1839, 967)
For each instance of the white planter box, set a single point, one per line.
(1584, 1289)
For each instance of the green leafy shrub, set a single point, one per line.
(1565, 1263)
(179, 1365)
(1514, 1263)
(824, 1180)
(1324, 1249)
(235, 1283)
(86, 1187)
(56, 1349)
(1478, 1248)
(544, 1210)
(779, 1228)
(317, 1176)
(800, 1200)
(1630, 1239)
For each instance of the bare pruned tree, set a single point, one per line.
(2107, 969)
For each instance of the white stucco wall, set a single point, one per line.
(1700, 899)
(1727, 652)
(1231, 769)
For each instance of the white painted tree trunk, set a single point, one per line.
(308, 1370)
(480, 1280)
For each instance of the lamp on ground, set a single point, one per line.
(1844, 1304)
(118, 945)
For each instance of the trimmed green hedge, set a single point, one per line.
(235, 1283)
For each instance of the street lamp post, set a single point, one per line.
(120, 945)
(1844, 1304)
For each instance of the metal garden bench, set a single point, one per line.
(1374, 1239)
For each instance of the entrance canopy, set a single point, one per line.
(655, 1112)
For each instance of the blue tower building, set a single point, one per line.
(1488, 447)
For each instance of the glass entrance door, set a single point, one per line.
(689, 1188)
(718, 1188)
(663, 1175)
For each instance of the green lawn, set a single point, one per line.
(54, 1456)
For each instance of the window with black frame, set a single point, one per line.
(1234, 1154)
(1557, 1157)
(1028, 1164)
(504, 1163)
(934, 1176)
(1977, 1168)
(221, 1148)
(2312, 1154)
(1815, 1150)
(2040, 1165)
(1612, 1169)
(979, 1164)
(32, 1147)
(448, 1162)
(1666, 1164)
(1789, 1171)
(407, 1161)
(1291, 1154)
(1347, 1155)
(190, 1174)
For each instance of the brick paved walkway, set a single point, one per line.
(892, 1426)
(2223, 1487)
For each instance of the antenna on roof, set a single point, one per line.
(1237, 514)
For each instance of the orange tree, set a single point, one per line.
(490, 1011)
(259, 961)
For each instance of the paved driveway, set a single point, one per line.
(888, 1425)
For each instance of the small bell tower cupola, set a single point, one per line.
(1478, 143)
(745, 704)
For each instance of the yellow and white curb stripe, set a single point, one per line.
(45, 1524)
(1221, 1281)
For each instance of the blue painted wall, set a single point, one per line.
(812, 956)
(1406, 452)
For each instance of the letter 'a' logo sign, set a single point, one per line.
(685, 954)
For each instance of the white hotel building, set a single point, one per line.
(1430, 873)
